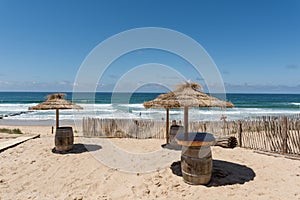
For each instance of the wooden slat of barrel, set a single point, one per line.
(196, 165)
(64, 138)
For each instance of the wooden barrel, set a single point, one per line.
(196, 164)
(64, 138)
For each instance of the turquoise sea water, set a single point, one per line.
(14, 106)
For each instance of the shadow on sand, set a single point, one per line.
(171, 146)
(223, 173)
(79, 148)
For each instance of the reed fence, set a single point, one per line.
(279, 134)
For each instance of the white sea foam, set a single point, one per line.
(295, 103)
(15, 107)
(137, 111)
(132, 105)
(146, 111)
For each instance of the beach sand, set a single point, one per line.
(32, 170)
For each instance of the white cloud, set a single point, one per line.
(292, 66)
(258, 88)
(35, 86)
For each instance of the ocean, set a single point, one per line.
(14, 107)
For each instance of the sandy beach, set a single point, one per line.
(135, 80)
(32, 170)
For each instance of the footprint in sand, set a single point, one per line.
(133, 190)
(141, 190)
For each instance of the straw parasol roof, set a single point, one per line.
(186, 95)
(55, 101)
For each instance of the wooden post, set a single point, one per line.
(57, 117)
(240, 130)
(94, 127)
(186, 122)
(167, 126)
(284, 131)
(136, 129)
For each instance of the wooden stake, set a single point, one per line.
(186, 122)
(240, 133)
(57, 117)
(284, 131)
(167, 126)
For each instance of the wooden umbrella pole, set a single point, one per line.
(167, 125)
(57, 117)
(186, 123)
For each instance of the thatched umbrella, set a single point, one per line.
(55, 101)
(186, 95)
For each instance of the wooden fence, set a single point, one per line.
(272, 134)
(123, 128)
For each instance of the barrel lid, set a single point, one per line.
(195, 139)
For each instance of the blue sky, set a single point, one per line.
(254, 43)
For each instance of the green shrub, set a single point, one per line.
(11, 131)
(17, 131)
